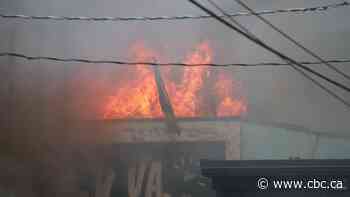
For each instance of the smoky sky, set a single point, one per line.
(274, 94)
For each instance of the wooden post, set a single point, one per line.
(104, 183)
(165, 103)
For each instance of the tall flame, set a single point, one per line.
(184, 95)
(138, 96)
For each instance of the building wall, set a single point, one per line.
(260, 141)
(214, 130)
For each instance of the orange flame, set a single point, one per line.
(138, 96)
(184, 95)
(228, 106)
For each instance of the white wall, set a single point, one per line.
(270, 142)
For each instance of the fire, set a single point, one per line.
(138, 96)
(184, 95)
(228, 106)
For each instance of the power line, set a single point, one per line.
(232, 20)
(168, 18)
(267, 47)
(313, 54)
(89, 61)
(330, 92)
(75, 60)
(302, 72)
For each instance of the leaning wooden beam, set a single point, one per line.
(165, 103)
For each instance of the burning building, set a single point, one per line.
(193, 91)
(132, 121)
(105, 130)
(125, 147)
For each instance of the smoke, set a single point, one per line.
(275, 94)
(38, 99)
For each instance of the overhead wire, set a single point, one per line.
(169, 18)
(294, 41)
(217, 17)
(118, 62)
(269, 48)
(320, 85)
(302, 72)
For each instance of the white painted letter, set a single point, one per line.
(135, 178)
(154, 182)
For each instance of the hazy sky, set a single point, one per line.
(274, 94)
